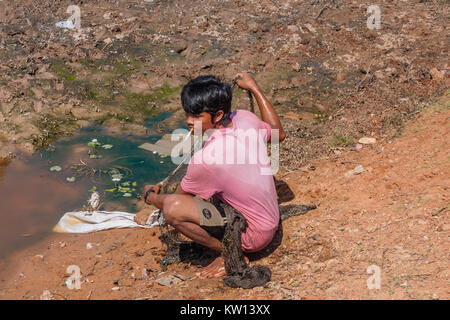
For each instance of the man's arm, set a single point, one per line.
(268, 114)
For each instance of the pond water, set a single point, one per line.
(36, 191)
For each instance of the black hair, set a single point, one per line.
(207, 94)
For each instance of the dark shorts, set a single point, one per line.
(212, 218)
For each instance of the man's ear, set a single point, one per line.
(218, 116)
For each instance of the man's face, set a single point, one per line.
(204, 118)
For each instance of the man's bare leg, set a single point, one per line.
(180, 211)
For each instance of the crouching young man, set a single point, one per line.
(224, 167)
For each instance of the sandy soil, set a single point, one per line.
(393, 215)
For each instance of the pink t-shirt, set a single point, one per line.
(234, 164)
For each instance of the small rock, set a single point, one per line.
(115, 288)
(358, 146)
(168, 281)
(357, 170)
(317, 267)
(367, 140)
(341, 77)
(296, 67)
(291, 115)
(332, 263)
(144, 274)
(252, 26)
(180, 45)
(305, 40)
(201, 22)
(321, 107)
(404, 284)
(181, 277)
(436, 75)
(37, 258)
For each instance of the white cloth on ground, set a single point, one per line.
(86, 222)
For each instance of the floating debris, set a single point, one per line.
(117, 177)
(94, 201)
(94, 143)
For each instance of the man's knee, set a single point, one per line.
(171, 209)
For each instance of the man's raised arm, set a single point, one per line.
(268, 114)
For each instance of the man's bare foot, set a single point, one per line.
(215, 269)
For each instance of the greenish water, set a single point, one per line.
(94, 168)
(36, 191)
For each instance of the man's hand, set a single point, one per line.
(155, 187)
(245, 81)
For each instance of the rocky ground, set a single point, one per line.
(332, 78)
